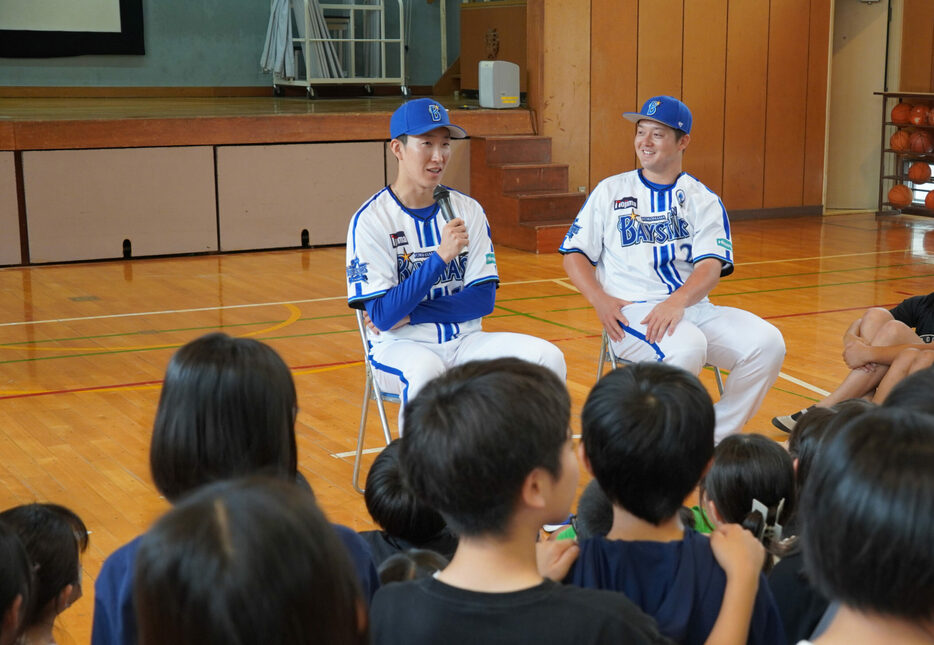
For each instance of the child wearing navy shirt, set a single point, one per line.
(648, 435)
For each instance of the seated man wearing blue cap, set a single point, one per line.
(660, 240)
(425, 283)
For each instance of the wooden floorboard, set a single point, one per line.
(83, 348)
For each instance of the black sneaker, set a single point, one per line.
(788, 422)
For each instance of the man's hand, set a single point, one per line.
(555, 558)
(857, 355)
(374, 330)
(453, 239)
(609, 311)
(738, 553)
(664, 317)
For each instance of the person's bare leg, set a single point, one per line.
(907, 362)
(870, 322)
(857, 384)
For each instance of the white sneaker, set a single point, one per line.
(788, 422)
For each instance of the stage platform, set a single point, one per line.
(76, 123)
(102, 178)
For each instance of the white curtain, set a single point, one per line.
(277, 52)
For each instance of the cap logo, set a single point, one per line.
(435, 111)
(652, 107)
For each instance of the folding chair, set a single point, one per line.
(607, 355)
(374, 392)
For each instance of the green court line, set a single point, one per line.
(816, 286)
(798, 275)
(152, 332)
(544, 320)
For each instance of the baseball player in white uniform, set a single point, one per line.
(427, 284)
(660, 240)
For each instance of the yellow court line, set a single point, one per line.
(156, 386)
(822, 257)
(294, 314)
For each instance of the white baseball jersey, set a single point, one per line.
(644, 238)
(386, 242)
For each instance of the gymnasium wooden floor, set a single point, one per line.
(83, 348)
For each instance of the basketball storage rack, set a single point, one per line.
(357, 35)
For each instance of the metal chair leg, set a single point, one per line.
(360, 435)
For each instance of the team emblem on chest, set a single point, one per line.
(657, 228)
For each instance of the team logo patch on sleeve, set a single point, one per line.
(625, 202)
(490, 258)
(398, 239)
(725, 243)
(574, 230)
(356, 272)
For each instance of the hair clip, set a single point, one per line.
(771, 531)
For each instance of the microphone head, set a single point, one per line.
(440, 193)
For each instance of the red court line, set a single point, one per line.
(118, 386)
(826, 311)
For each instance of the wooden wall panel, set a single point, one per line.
(785, 103)
(703, 84)
(82, 204)
(9, 212)
(266, 195)
(917, 46)
(477, 21)
(745, 98)
(566, 96)
(660, 28)
(614, 38)
(815, 139)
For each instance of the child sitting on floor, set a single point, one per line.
(868, 512)
(54, 538)
(488, 445)
(648, 435)
(752, 482)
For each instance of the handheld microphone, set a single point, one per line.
(443, 196)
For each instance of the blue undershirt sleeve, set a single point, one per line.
(468, 304)
(397, 303)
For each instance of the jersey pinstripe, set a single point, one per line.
(644, 238)
(386, 243)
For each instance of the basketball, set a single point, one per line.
(929, 200)
(900, 196)
(919, 172)
(900, 141)
(919, 115)
(921, 142)
(901, 113)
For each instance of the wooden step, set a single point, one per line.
(524, 178)
(536, 237)
(517, 149)
(549, 207)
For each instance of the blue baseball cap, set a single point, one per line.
(421, 116)
(666, 110)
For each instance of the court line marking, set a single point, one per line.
(559, 281)
(804, 384)
(294, 314)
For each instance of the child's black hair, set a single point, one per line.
(749, 467)
(393, 505)
(648, 432)
(473, 435)
(868, 507)
(16, 581)
(227, 409)
(914, 392)
(246, 561)
(54, 538)
(594, 512)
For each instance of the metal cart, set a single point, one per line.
(360, 50)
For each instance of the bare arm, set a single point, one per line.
(741, 556)
(607, 307)
(666, 315)
(858, 354)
